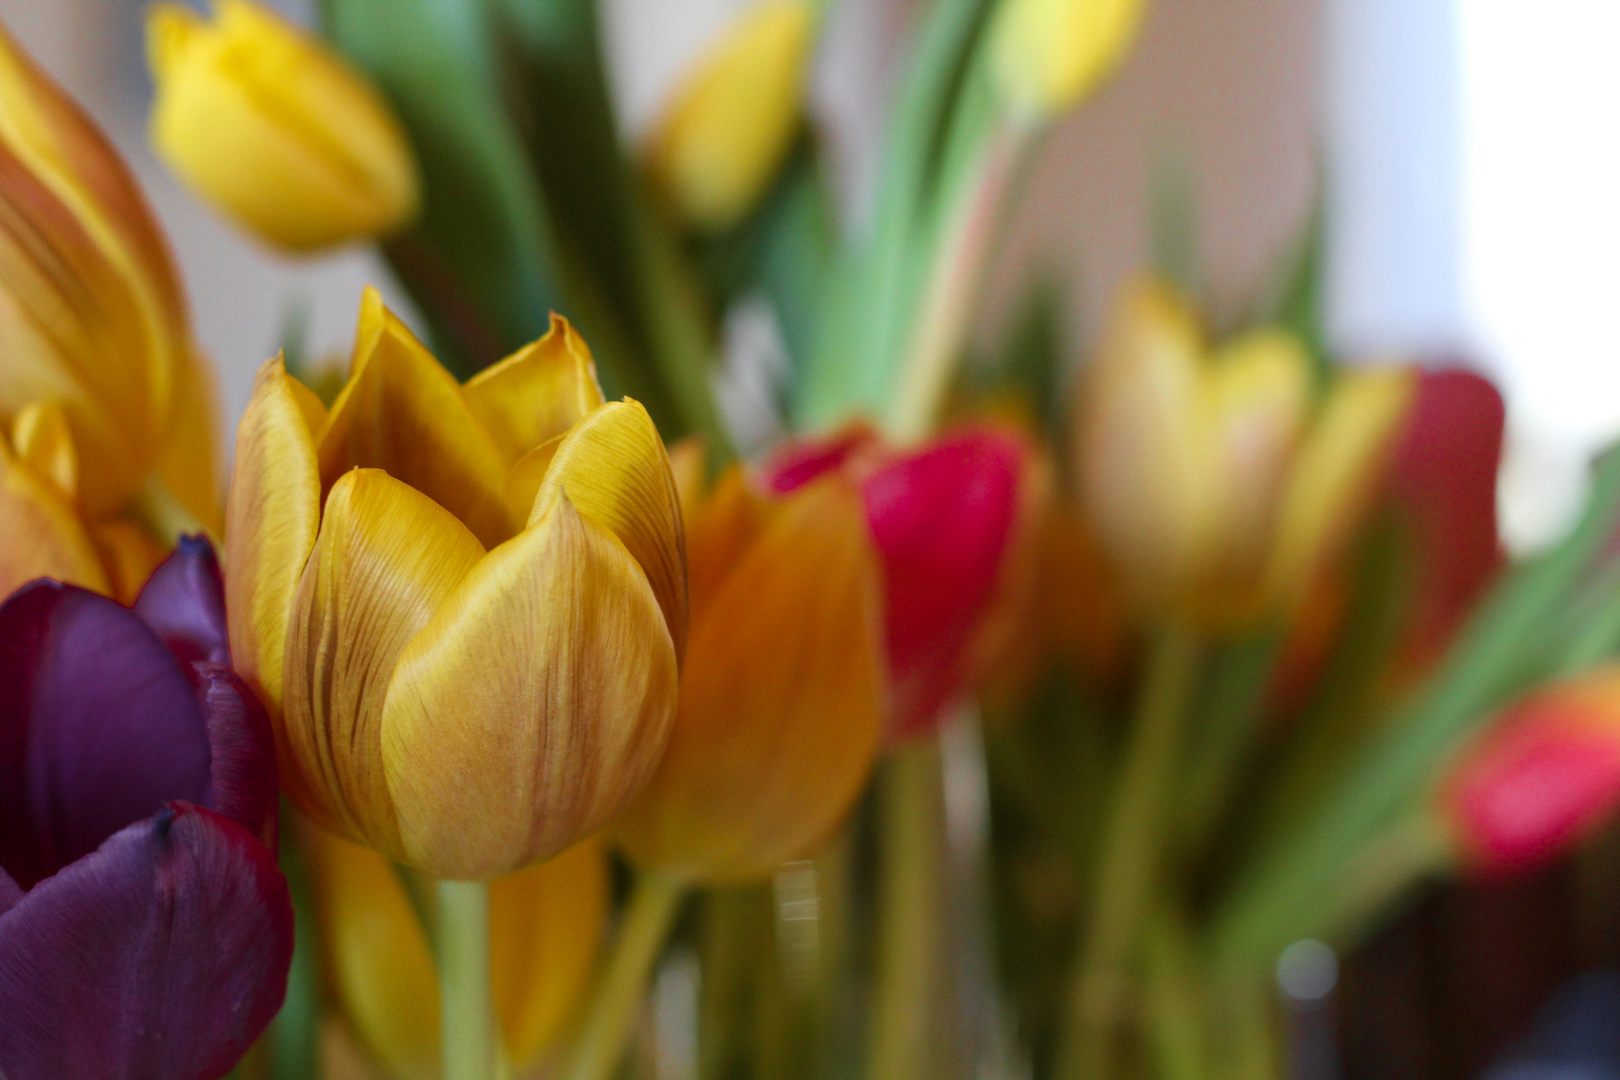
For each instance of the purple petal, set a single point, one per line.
(161, 956)
(184, 602)
(10, 892)
(99, 727)
(244, 750)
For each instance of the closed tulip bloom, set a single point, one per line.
(144, 928)
(728, 128)
(782, 692)
(1047, 55)
(464, 604)
(274, 129)
(546, 926)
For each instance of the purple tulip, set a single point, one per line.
(145, 931)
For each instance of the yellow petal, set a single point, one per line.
(533, 706)
(1337, 472)
(721, 529)
(43, 441)
(526, 476)
(688, 465)
(189, 463)
(537, 393)
(271, 520)
(129, 553)
(726, 132)
(386, 558)
(274, 129)
(43, 535)
(402, 412)
(613, 467)
(1049, 54)
(781, 701)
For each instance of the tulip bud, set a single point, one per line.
(782, 692)
(723, 137)
(546, 926)
(1540, 778)
(274, 129)
(1049, 54)
(466, 683)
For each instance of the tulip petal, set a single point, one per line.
(533, 706)
(800, 462)
(720, 532)
(615, 471)
(44, 442)
(43, 534)
(272, 516)
(188, 465)
(782, 701)
(98, 727)
(184, 603)
(401, 411)
(128, 554)
(526, 476)
(242, 751)
(386, 559)
(10, 892)
(162, 955)
(537, 393)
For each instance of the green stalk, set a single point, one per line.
(1135, 832)
(1175, 1000)
(600, 1045)
(910, 914)
(467, 1015)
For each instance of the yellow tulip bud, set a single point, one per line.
(1047, 55)
(274, 129)
(464, 685)
(782, 693)
(725, 133)
(546, 927)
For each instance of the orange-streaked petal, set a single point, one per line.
(613, 468)
(44, 536)
(782, 701)
(533, 706)
(403, 412)
(43, 442)
(189, 462)
(537, 393)
(386, 559)
(129, 553)
(271, 519)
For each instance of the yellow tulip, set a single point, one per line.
(782, 692)
(463, 605)
(274, 129)
(1047, 55)
(724, 135)
(546, 927)
(1216, 489)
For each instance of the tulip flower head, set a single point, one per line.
(144, 928)
(949, 524)
(276, 130)
(1049, 54)
(1541, 778)
(463, 604)
(782, 691)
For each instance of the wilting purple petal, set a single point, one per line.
(184, 602)
(244, 750)
(161, 956)
(99, 727)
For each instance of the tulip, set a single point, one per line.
(1216, 489)
(1543, 776)
(1047, 55)
(546, 928)
(92, 322)
(273, 128)
(727, 130)
(948, 521)
(782, 691)
(463, 605)
(144, 928)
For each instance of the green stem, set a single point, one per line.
(910, 914)
(1175, 997)
(653, 906)
(467, 1016)
(1128, 865)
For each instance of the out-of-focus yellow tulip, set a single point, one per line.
(274, 129)
(92, 320)
(546, 926)
(1216, 487)
(725, 133)
(1049, 54)
(782, 693)
(462, 604)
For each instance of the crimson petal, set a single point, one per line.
(243, 745)
(99, 727)
(161, 956)
(184, 602)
